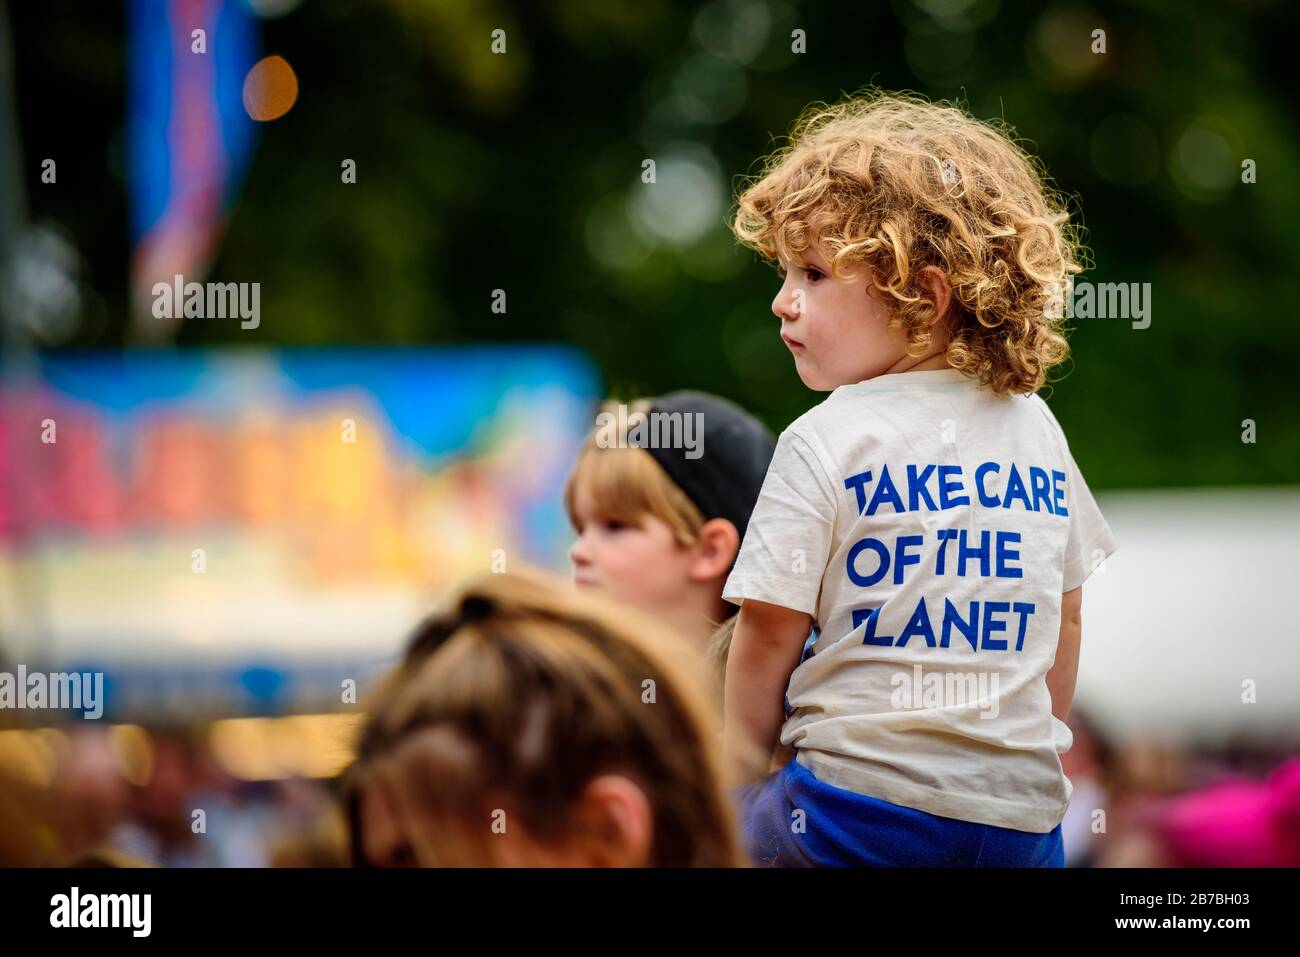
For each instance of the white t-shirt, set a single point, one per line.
(929, 527)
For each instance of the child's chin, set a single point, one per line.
(815, 383)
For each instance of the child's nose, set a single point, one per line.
(784, 306)
(579, 552)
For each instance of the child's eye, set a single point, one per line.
(614, 525)
(814, 274)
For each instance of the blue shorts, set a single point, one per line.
(845, 829)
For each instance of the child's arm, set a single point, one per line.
(764, 651)
(1065, 670)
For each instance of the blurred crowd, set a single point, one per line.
(1140, 802)
(86, 801)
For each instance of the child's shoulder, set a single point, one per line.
(825, 417)
(900, 407)
(1039, 404)
(863, 405)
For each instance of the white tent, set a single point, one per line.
(1188, 630)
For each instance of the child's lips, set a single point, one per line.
(794, 344)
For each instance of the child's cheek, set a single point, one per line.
(628, 551)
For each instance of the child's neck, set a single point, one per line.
(937, 360)
(696, 619)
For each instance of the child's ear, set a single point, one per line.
(715, 549)
(934, 283)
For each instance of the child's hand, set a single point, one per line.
(782, 756)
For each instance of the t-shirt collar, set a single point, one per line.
(895, 380)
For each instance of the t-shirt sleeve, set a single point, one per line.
(788, 541)
(1090, 541)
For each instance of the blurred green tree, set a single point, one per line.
(522, 171)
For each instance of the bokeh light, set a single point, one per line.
(686, 199)
(1124, 150)
(270, 89)
(735, 30)
(1059, 49)
(1202, 163)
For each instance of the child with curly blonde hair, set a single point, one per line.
(927, 518)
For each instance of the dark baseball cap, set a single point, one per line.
(725, 475)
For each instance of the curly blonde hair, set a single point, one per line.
(895, 183)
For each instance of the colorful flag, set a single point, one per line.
(190, 138)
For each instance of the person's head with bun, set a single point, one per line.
(534, 725)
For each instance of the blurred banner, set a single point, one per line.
(227, 532)
(190, 135)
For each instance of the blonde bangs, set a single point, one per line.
(626, 485)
